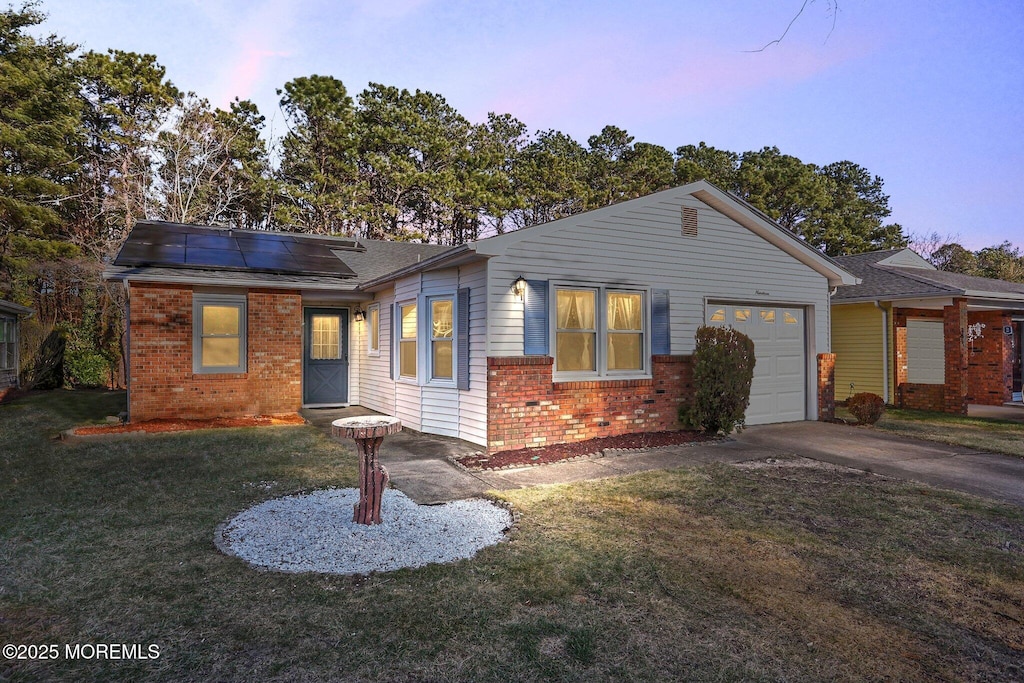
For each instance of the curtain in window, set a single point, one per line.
(625, 331)
(576, 349)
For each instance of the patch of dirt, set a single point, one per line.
(544, 455)
(791, 462)
(158, 426)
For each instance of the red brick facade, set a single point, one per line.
(161, 381)
(979, 371)
(526, 408)
(826, 386)
(990, 359)
(920, 396)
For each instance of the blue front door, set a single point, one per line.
(325, 356)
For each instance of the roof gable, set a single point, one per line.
(734, 208)
(906, 258)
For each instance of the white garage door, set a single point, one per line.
(778, 392)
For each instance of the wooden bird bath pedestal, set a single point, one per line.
(369, 433)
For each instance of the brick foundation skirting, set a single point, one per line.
(921, 396)
(526, 408)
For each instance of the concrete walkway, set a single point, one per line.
(419, 467)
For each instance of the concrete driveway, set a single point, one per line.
(419, 466)
(990, 475)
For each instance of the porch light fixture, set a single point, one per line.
(519, 287)
(358, 315)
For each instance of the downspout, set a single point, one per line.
(885, 351)
(127, 350)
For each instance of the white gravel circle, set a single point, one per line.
(314, 532)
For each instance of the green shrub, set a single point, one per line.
(86, 368)
(723, 368)
(866, 407)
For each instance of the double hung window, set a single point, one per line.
(600, 331)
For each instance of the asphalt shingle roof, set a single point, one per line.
(884, 281)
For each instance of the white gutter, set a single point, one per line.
(885, 351)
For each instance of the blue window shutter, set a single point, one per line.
(661, 332)
(462, 338)
(391, 341)
(535, 318)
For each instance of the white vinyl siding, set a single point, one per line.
(638, 244)
(376, 388)
(926, 353)
(438, 408)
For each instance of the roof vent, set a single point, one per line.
(689, 221)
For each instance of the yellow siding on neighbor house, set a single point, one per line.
(857, 343)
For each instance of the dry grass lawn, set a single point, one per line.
(715, 573)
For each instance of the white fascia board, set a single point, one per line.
(772, 233)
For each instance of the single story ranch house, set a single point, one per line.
(578, 328)
(925, 338)
(10, 328)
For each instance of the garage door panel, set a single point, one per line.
(790, 366)
(778, 390)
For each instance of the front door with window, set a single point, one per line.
(325, 357)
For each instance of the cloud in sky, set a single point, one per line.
(590, 77)
(254, 42)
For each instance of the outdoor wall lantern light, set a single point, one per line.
(358, 315)
(519, 287)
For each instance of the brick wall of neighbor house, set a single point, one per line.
(954, 324)
(920, 396)
(826, 386)
(162, 384)
(525, 408)
(990, 360)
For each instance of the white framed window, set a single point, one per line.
(407, 348)
(218, 333)
(576, 329)
(325, 337)
(441, 329)
(625, 333)
(601, 332)
(373, 330)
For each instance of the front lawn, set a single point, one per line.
(994, 436)
(712, 573)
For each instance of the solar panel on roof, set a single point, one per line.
(193, 246)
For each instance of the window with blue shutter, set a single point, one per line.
(535, 318)
(462, 338)
(661, 331)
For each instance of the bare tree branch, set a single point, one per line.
(833, 6)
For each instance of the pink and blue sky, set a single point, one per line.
(930, 96)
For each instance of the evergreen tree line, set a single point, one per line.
(91, 142)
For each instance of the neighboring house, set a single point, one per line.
(925, 338)
(10, 333)
(565, 331)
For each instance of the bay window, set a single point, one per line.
(442, 335)
(407, 341)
